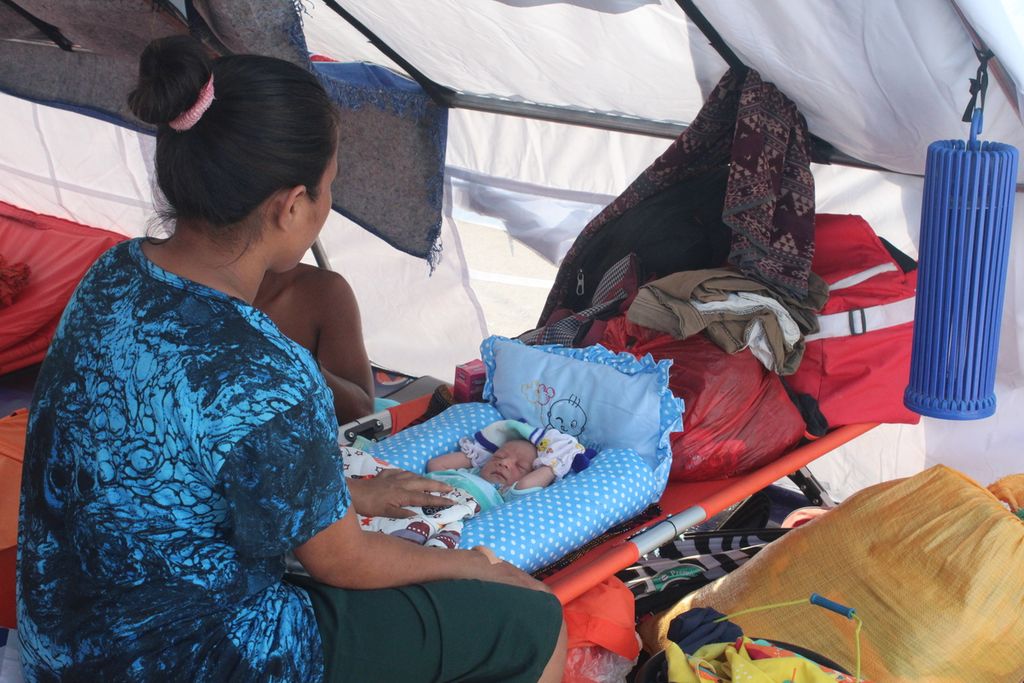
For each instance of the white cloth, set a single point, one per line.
(755, 337)
(555, 450)
(433, 526)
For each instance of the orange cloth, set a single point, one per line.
(604, 616)
(12, 452)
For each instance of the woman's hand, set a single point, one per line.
(488, 553)
(387, 493)
(499, 571)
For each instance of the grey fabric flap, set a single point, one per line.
(108, 39)
(393, 140)
(391, 159)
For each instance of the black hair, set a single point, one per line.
(271, 126)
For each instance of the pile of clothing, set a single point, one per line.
(705, 646)
(780, 322)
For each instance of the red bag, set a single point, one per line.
(738, 416)
(858, 365)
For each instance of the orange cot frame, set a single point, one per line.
(687, 504)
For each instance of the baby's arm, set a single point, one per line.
(538, 478)
(449, 461)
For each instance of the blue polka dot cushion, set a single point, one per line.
(411, 448)
(620, 482)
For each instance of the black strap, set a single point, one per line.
(810, 411)
(979, 84)
(906, 263)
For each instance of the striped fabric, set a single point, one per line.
(617, 286)
(676, 569)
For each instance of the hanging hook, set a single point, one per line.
(979, 85)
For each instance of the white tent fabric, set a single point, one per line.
(879, 80)
(552, 52)
(855, 69)
(108, 183)
(850, 67)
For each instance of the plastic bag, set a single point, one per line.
(594, 664)
(738, 416)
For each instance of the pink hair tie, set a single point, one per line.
(191, 116)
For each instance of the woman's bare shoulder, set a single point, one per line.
(325, 291)
(319, 281)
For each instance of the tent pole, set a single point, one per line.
(320, 255)
(821, 151)
(569, 115)
(437, 92)
(702, 23)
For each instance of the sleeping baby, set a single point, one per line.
(504, 460)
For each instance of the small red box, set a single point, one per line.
(469, 381)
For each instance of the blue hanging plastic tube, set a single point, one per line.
(966, 217)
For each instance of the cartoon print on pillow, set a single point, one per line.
(567, 416)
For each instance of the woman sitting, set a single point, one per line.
(179, 445)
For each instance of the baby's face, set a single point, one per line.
(509, 463)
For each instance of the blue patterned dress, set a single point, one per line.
(178, 446)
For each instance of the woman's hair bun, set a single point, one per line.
(172, 70)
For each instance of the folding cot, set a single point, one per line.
(683, 504)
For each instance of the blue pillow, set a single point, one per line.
(605, 399)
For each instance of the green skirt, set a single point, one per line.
(440, 631)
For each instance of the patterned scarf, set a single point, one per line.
(769, 201)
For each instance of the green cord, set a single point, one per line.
(856, 618)
(764, 608)
(856, 639)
